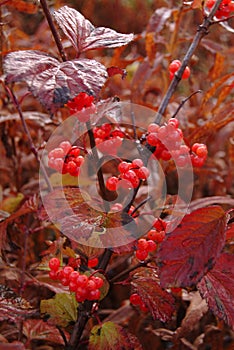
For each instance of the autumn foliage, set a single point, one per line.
(117, 166)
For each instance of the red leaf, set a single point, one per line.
(116, 70)
(191, 250)
(158, 19)
(84, 36)
(52, 82)
(160, 303)
(38, 329)
(217, 287)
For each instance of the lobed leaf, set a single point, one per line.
(84, 36)
(160, 303)
(110, 336)
(191, 250)
(62, 309)
(217, 287)
(51, 81)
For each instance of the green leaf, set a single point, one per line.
(62, 309)
(111, 336)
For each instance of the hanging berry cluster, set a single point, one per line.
(82, 105)
(168, 142)
(85, 287)
(131, 173)
(66, 159)
(108, 139)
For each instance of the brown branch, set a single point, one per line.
(57, 39)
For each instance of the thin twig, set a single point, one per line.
(57, 39)
(201, 32)
(184, 101)
(130, 269)
(27, 132)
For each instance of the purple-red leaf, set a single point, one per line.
(160, 303)
(191, 250)
(84, 36)
(217, 287)
(51, 81)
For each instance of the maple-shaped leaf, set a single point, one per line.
(109, 336)
(84, 222)
(159, 302)
(51, 81)
(34, 329)
(190, 251)
(217, 287)
(84, 36)
(62, 309)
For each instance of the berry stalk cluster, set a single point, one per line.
(85, 287)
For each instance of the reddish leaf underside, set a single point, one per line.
(80, 221)
(191, 250)
(84, 36)
(160, 303)
(51, 81)
(40, 330)
(110, 336)
(217, 287)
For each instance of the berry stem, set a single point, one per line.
(201, 32)
(127, 271)
(54, 32)
(103, 190)
(27, 132)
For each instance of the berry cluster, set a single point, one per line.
(157, 233)
(108, 139)
(136, 300)
(66, 159)
(173, 68)
(131, 173)
(168, 142)
(82, 105)
(85, 287)
(144, 247)
(224, 10)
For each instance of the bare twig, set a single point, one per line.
(57, 39)
(184, 101)
(201, 32)
(27, 132)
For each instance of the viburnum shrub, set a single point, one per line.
(120, 204)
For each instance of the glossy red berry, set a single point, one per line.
(54, 264)
(141, 254)
(92, 262)
(111, 183)
(135, 299)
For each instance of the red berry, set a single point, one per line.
(73, 276)
(131, 176)
(135, 299)
(143, 307)
(153, 128)
(53, 274)
(111, 183)
(94, 294)
(72, 286)
(143, 173)
(54, 264)
(141, 254)
(142, 244)
(66, 146)
(56, 153)
(98, 281)
(82, 280)
(174, 122)
(159, 224)
(174, 66)
(123, 167)
(65, 281)
(91, 285)
(67, 270)
(137, 163)
(58, 164)
(152, 235)
(151, 246)
(152, 139)
(92, 262)
(75, 151)
(186, 73)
